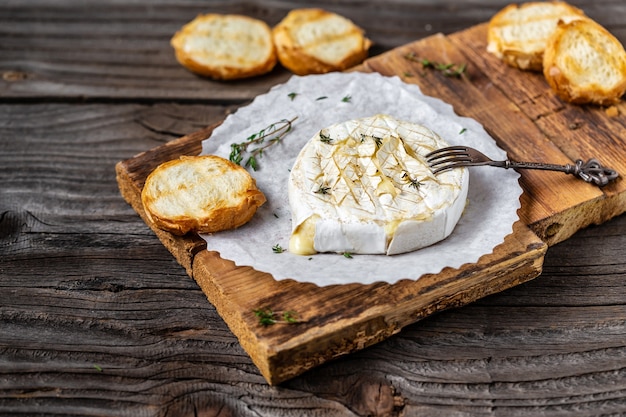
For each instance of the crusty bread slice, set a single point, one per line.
(315, 41)
(225, 47)
(204, 194)
(584, 63)
(517, 34)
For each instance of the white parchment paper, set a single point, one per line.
(319, 101)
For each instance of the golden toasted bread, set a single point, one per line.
(517, 34)
(225, 47)
(584, 63)
(203, 194)
(315, 41)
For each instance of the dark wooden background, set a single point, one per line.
(97, 318)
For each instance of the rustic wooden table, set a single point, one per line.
(97, 318)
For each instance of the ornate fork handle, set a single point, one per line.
(590, 171)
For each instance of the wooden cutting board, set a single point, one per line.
(519, 110)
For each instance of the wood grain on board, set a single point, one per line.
(337, 320)
(524, 116)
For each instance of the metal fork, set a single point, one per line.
(464, 156)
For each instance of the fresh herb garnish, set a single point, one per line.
(321, 98)
(325, 138)
(264, 138)
(462, 131)
(449, 69)
(277, 248)
(323, 189)
(347, 99)
(292, 96)
(377, 140)
(347, 255)
(411, 181)
(268, 317)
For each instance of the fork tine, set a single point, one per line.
(459, 163)
(450, 159)
(445, 168)
(449, 149)
(448, 155)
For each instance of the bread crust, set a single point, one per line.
(518, 33)
(225, 47)
(298, 51)
(186, 195)
(573, 76)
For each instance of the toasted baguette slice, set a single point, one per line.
(518, 34)
(225, 47)
(584, 63)
(204, 194)
(315, 41)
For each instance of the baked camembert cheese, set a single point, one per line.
(363, 187)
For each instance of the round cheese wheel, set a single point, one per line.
(363, 187)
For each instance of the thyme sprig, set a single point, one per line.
(265, 138)
(323, 189)
(267, 317)
(377, 139)
(447, 69)
(411, 181)
(324, 138)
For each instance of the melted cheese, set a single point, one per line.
(363, 186)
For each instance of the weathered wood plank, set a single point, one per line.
(77, 263)
(105, 50)
(88, 286)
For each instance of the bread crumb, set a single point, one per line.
(612, 111)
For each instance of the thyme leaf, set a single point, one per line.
(411, 181)
(263, 139)
(377, 139)
(323, 189)
(277, 248)
(447, 69)
(290, 317)
(267, 317)
(325, 138)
